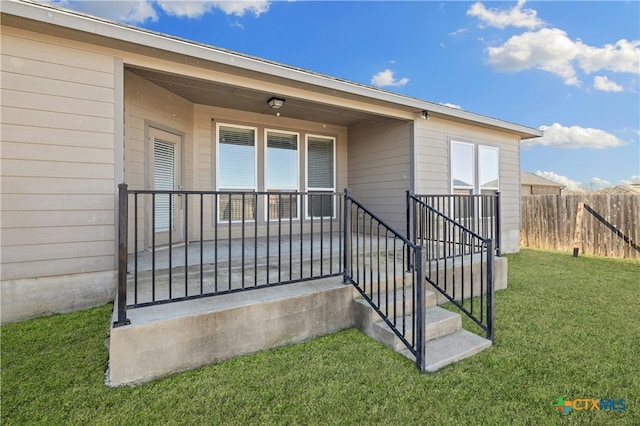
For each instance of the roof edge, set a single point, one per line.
(47, 13)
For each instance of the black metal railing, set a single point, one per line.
(179, 245)
(478, 213)
(459, 261)
(374, 262)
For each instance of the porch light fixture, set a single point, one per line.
(276, 103)
(424, 115)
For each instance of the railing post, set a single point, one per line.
(346, 255)
(420, 312)
(491, 314)
(123, 222)
(408, 208)
(497, 227)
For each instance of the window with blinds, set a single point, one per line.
(164, 169)
(282, 174)
(236, 171)
(320, 175)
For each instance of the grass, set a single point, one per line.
(566, 327)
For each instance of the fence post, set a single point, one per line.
(491, 312)
(346, 275)
(123, 223)
(497, 219)
(421, 340)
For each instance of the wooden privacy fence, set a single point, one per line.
(549, 222)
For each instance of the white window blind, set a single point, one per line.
(236, 158)
(320, 165)
(282, 174)
(164, 166)
(282, 161)
(236, 172)
(320, 176)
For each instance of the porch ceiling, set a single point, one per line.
(216, 94)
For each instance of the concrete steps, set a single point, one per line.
(447, 341)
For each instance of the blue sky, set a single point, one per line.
(571, 69)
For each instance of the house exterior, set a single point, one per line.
(537, 185)
(88, 104)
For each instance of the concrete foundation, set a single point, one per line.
(165, 339)
(35, 297)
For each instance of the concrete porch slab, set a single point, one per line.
(166, 339)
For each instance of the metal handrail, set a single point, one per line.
(299, 238)
(375, 255)
(449, 246)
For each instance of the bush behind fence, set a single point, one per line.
(549, 222)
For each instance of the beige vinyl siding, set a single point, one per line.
(380, 167)
(147, 104)
(57, 158)
(432, 150)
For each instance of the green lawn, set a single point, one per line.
(566, 327)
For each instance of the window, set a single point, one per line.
(488, 166)
(462, 168)
(320, 175)
(282, 174)
(471, 174)
(236, 157)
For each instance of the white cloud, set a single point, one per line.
(572, 185)
(598, 183)
(559, 136)
(516, 16)
(551, 50)
(548, 49)
(195, 9)
(458, 31)
(447, 104)
(386, 78)
(137, 11)
(595, 184)
(603, 83)
(130, 11)
(623, 56)
(632, 179)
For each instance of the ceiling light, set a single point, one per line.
(276, 103)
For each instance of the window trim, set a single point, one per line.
(266, 167)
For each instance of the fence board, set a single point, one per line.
(548, 222)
